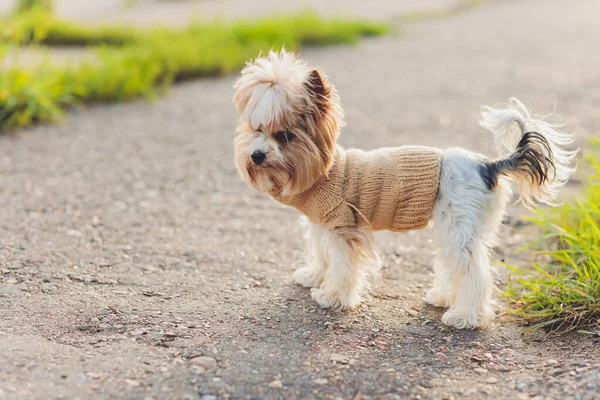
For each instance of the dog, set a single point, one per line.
(286, 146)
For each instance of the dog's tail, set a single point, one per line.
(532, 152)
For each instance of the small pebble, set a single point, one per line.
(551, 362)
(276, 384)
(208, 363)
(491, 379)
(480, 370)
(381, 345)
(339, 358)
(421, 389)
(198, 370)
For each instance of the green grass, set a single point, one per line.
(131, 62)
(41, 27)
(26, 5)
(563, 293)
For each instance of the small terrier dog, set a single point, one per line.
(290, 120)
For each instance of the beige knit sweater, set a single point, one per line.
(388, 188)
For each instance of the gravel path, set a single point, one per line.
(135, 264)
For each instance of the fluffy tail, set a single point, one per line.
(532, 152)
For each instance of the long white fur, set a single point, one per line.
(467, 215)
(466, 220)
(338, 273)
(311, 276)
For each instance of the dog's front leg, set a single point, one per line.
(351, 257)
(316, 238)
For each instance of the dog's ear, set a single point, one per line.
(325, 116)
(318, 85)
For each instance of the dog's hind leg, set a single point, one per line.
(316, 238)
(464, 209)
(444, 291)
(473, 306)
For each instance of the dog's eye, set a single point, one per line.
(284, 137)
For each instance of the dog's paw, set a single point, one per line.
(309, 277)
(336, 299)
(437, 299)
(469, 320)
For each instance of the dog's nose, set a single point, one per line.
(258, 157)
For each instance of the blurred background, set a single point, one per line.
(184, 11)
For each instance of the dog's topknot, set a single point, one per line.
(269, 86)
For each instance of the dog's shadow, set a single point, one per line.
(381, 328)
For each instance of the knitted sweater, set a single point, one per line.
(387, 189)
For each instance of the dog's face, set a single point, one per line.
(289, 122)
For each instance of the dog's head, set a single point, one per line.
(289, 122)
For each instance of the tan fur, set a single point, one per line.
(314, 116)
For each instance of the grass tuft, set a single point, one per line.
(129, 62)
(41, 27)
(563, 293)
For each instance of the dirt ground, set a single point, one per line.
(135, 263)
